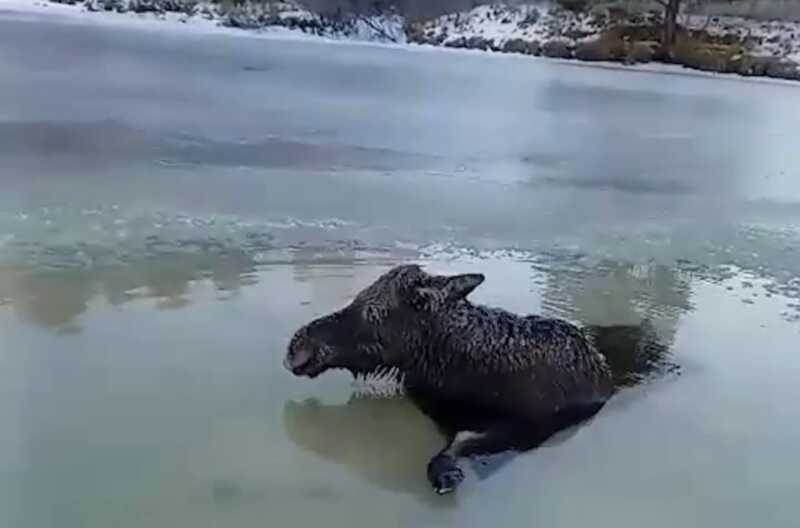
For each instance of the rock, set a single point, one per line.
(143, 6)
(783, 69)
(459, 42)
(516, 45)
(519, 45)
(480, 43)
(437, 40)
(641, 52)
(590, 51)
(557, 49)
(471, 43)
(751, 66)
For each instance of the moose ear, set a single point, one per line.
(459, 286)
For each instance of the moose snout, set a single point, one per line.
(287, 363)
(300, 354)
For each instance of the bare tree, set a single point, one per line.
(671, 10)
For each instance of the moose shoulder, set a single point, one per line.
(493, 379)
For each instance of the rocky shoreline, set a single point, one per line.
(716, 44)
(256, 16)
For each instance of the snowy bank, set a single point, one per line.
(256, 16)
(715, 44)
(710, 43)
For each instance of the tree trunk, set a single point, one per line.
(671, 10)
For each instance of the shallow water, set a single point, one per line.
(175, 205)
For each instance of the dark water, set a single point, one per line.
(174, 205)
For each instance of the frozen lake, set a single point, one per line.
(174, 204)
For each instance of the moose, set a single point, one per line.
(493, 380)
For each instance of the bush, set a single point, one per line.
(707, 57)
(574, 5)
(608, 47)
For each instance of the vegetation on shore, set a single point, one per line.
(717, 44)
(569, 29)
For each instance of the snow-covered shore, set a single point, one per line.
(283, 19)
(733, 45)
(715, 44)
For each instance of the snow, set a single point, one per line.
(540, 22)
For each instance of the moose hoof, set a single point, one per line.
(444, 474)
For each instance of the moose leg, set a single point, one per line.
(444, 472)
